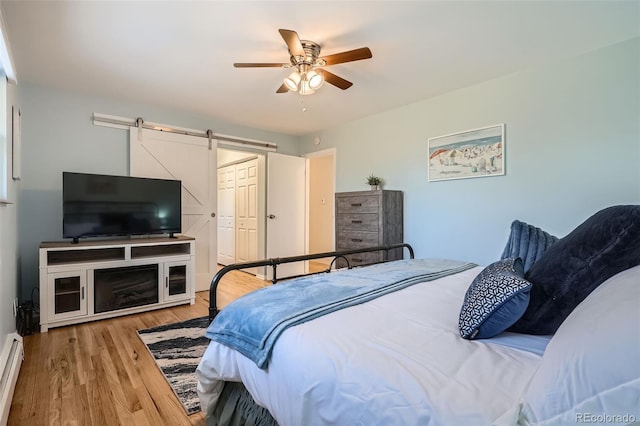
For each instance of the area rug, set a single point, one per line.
(177, 349)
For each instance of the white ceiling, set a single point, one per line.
(180, 54)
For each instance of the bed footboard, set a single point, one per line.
(274, 262)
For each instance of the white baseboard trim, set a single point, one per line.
(10, 362)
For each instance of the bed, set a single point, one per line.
(401, 357)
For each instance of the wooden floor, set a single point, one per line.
(100, 373)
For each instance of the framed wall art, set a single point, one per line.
(468, 154)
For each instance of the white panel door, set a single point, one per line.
(247, 211)
(286, 211)
(226, 215)
(189, 159)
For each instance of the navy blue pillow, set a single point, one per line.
(528, 243)
(496, 298)
(606, 243)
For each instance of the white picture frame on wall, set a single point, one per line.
(469, 154)
(16, 143)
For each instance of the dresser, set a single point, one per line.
(368, 219)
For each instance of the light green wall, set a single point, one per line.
(572, 148)
(58, 134)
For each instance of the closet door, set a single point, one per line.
(226, 215)
(247, 211)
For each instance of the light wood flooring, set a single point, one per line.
(100, 373)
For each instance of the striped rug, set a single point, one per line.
(177, 349)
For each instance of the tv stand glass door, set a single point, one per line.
(69, 294)
(176, 280)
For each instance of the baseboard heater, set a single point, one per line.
(10, 362)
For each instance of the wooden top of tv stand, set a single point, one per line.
(115, 241)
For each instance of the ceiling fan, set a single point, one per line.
(309, 73)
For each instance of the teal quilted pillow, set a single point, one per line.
(527, 242)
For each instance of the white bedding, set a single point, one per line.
(396, 360)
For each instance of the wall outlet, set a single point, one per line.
(15, 307)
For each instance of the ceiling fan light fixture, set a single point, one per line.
(315, 79)
(304, 56)
(292, 81)
(305, 88)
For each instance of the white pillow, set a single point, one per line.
(590, 370)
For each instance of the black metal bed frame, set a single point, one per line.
(274, 262)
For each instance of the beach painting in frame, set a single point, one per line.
(474, 153)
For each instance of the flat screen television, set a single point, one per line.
(102, 206)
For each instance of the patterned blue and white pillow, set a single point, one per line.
(495, 300)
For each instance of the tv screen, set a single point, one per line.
(101, 205)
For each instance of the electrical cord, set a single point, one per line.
(36, 306)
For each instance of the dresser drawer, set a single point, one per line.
(358, 204)
(357, 222)
(360, 259)
(357, 239)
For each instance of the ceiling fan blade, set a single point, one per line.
(335, 80)
(282, 89)
(293, 42)
(257, 64)
(349, 56)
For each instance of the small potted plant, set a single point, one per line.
(374, 181)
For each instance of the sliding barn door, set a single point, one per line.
(191, 160)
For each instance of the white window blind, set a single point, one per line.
(4, 142)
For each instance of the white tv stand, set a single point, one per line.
(99, 279)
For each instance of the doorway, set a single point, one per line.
(313, 177)
(321, 205)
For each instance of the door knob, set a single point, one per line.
(213, 215)
(271, 216)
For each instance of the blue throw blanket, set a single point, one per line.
(252, 324)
